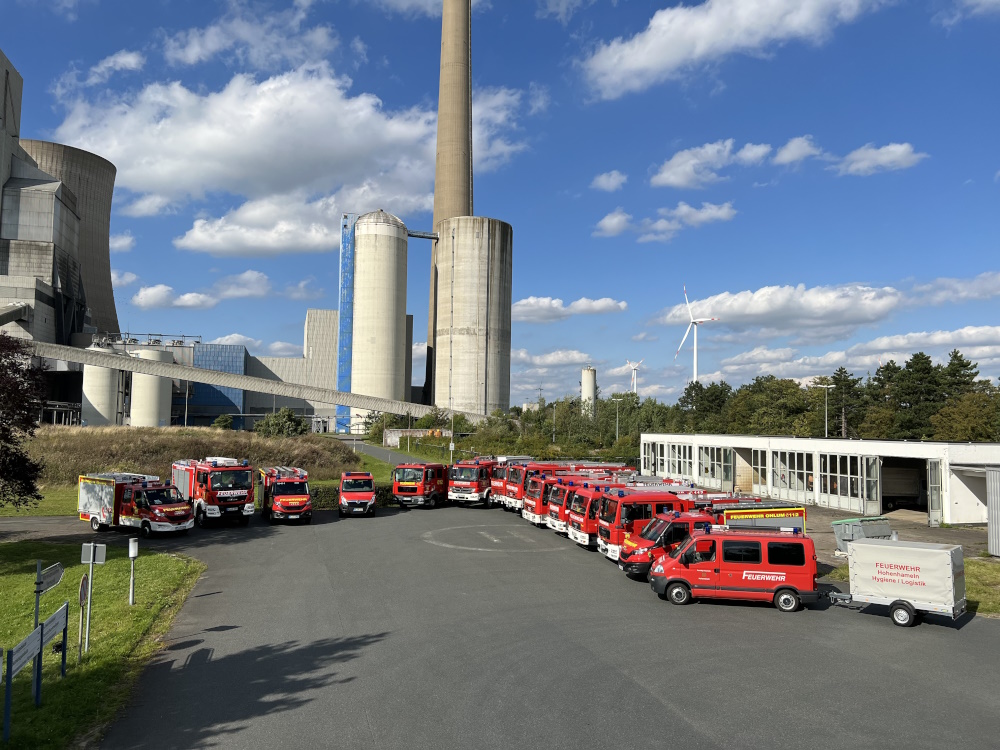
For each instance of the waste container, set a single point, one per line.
(850, 529)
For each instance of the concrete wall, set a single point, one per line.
(967, 497)
(92, 180)
(472, 355)
(10, 115)
(41, 324)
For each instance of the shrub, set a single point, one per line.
(223, 422)
(283, 423)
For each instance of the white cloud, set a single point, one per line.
(548, 309)
(696, 217)
(609, 181)
(963, 9)
(159, 295)
(417, 7)
(122, 278)
(539, 98)
(949, 290)
(297, 146)
(195, 300)
(562, 10)
(645, 336)
(304, 290)
(658, 230)
(238, 339)
(360, 51)
(557, 358)
(121, 243)
(261, 41)
(683, 37)
(121, 60)
(868, 159)
(797, 150)
(284, 349)
(613, 224)
(698, 167)
(246, 284)
(829, 311)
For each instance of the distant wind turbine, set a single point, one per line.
(635, 370)
(695, 322)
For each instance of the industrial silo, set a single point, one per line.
(102, 393)
(588, 392)
(472, 355)
(151, 394)
(378, 348)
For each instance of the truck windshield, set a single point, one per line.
(282, 489)
(515, 474)
(465, 473)
(499, 472)
(358, 485)
(609, 509)
(162, 496)
(679, 550)
(557, 496)
(409, 475)
(652, 531)
(231, 480)
(579, 504)
(534, 488)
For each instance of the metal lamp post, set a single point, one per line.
(617, 400)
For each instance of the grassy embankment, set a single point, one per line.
(122, 638)
(68, 452)
(982, 585)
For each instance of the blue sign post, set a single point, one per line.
(31, 648)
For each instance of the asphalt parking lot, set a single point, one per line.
(468, 628)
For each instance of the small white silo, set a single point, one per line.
(150, 393)
(102, 393)
(378, 348)
(588, 392)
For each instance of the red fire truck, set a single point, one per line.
(420, 484)
(584, 512)
(720, 562)
(626, 511)
(218, 487)
(285, 494)
(470, 482)
(137, 500)
(670, 529)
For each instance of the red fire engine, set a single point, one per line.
(626, 511)
(219, 488)
(357, 494)
(749, 564)
(670, 529)
(471, 481)
(584, 512)
(420, 484)
(285, 494)
(136, 500)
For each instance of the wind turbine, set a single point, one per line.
(695, 322)
(635, 370)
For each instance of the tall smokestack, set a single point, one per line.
(453, 169)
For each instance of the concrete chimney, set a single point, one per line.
(453, 169)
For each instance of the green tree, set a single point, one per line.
(766, 406)
(919, 395)
(880, 403)
(973, 417)
(283, 423)
(223, 422)
(21, 389)
(846, 402)
(958, 376)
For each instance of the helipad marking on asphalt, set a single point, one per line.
(490, 537)
(517, 532)
(428, 536)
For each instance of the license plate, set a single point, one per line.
(621, 567)
(295, 516)
(231, 510)
(359, 510)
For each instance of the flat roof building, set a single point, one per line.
(947, 481)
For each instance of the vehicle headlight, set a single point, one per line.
(658, 568)
(343, 501)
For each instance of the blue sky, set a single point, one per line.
(822, 175)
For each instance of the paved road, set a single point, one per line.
(467, 628)
(391, 457)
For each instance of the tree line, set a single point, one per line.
(917, 400)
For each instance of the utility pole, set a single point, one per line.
(617, 400)
(553, 422)
(826, 409)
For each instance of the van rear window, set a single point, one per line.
(786, 553)
(740, 551)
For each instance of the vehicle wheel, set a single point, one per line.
(433, 502)
(902, 614)
(488, 501)
(199, 518)
(678, 593)
(145, 530)
(95, 524)
(786, 601)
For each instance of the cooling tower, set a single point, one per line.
(588, 392)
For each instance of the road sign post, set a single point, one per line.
(44, 580)
(133, 553)
(83, 603)
(92, 554)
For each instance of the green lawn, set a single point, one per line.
(122, 638)
(57, 500)
(982, 585)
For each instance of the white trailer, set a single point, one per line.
(909, 577)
